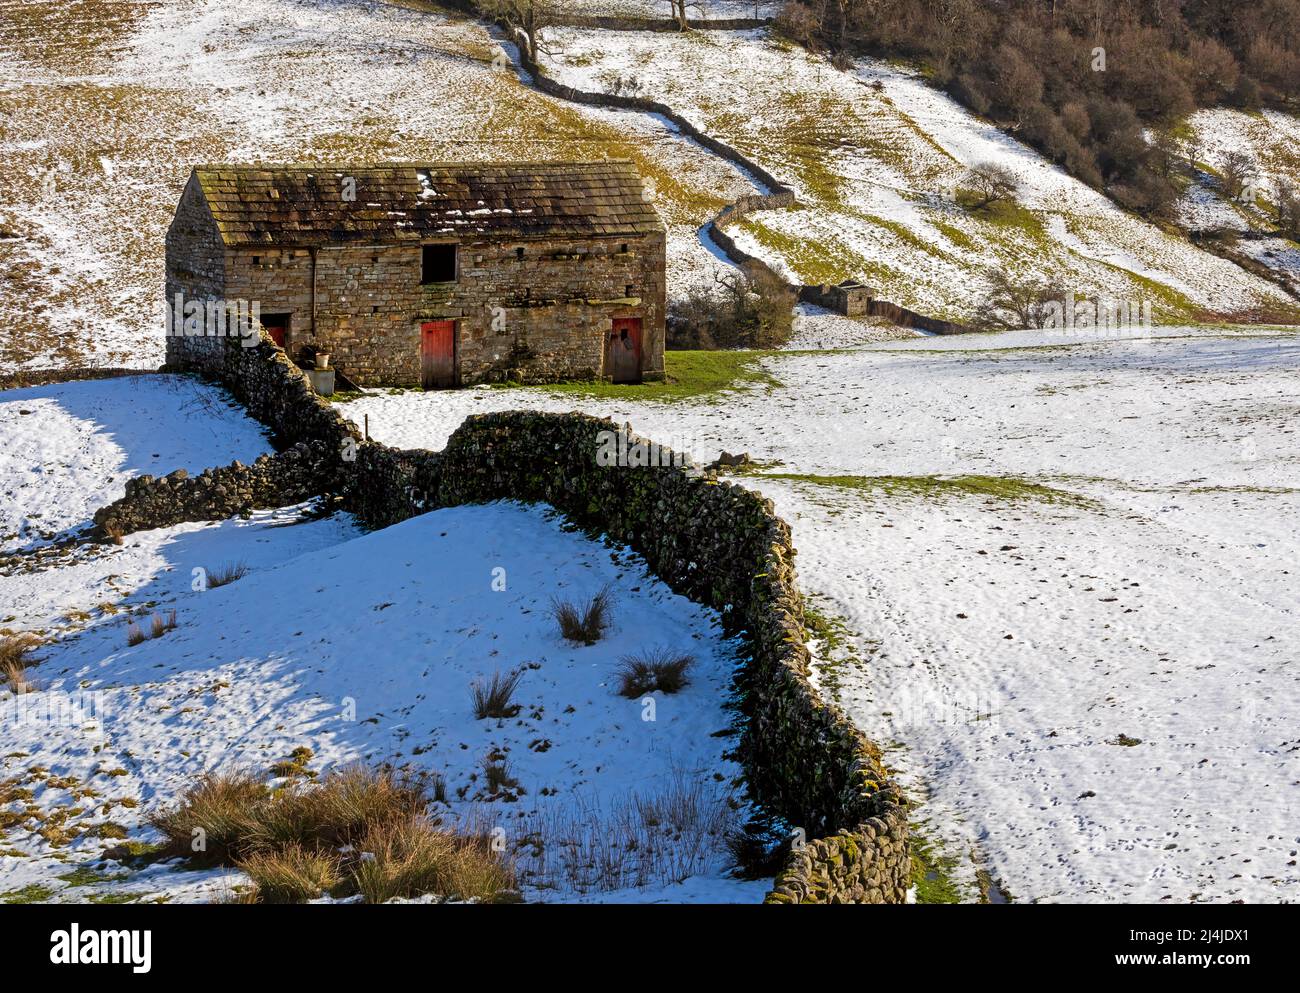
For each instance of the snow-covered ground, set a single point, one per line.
(359, 647)
(67, 450)
(875, 155)
(1090, 684)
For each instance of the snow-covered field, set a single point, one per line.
(1078, 643)
(69, 448)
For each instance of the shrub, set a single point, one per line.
(493, 698)
(748, 308)
(986, 184)
(586, 625)
(659, 669)
(227, 574)
(223, 807)
(291, 874)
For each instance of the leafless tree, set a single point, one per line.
(525, 19)
(1288, 209)
(1013, 303)
(1237, 174)
(989, 183)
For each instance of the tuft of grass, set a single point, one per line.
(15, 657)
(358, 830)
(134, 634)
(658, 669)
(227, 574)
(583, 625)
(213, 820)
(36, 893)
(493, 697)
(410, 857)
(496, 771)
(159, 626)
(292, 874)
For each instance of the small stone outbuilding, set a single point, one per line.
(427, 274)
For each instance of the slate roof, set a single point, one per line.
(410, 201)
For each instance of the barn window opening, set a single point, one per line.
(519, 253)
(623, 248)
(438, 264)
(627, 290)
(257, 260)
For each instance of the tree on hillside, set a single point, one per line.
(1237, 176)
(988, 183)
(1013, 303)
(1288, 209)
(524, 19)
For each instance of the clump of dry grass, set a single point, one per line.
(358, 830)
(292, 874)
(134, 634)
(659, 669)
(114, 533)
(493, 697)
(408, 858)
(583, 625)
(15, 658)
(496, 771)
(159, 626)
(228, 573)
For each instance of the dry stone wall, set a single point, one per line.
(720, 545)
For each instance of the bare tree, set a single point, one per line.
(1237, 175)
(1012, 304)
(1288, 209)
(525, 20)
(988, 183)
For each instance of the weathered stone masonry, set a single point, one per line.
(547, 257)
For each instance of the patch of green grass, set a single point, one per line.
(956, 235)
(932, 871)
(85, 876)
(36, 893)
(113, 898)
(689, 375)
(1008, 488)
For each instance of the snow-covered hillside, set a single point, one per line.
(66, 450)
(875, 155)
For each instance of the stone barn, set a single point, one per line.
(426, 274)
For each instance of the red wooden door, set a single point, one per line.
(623, 353)
(438, 354)
(276, 329)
